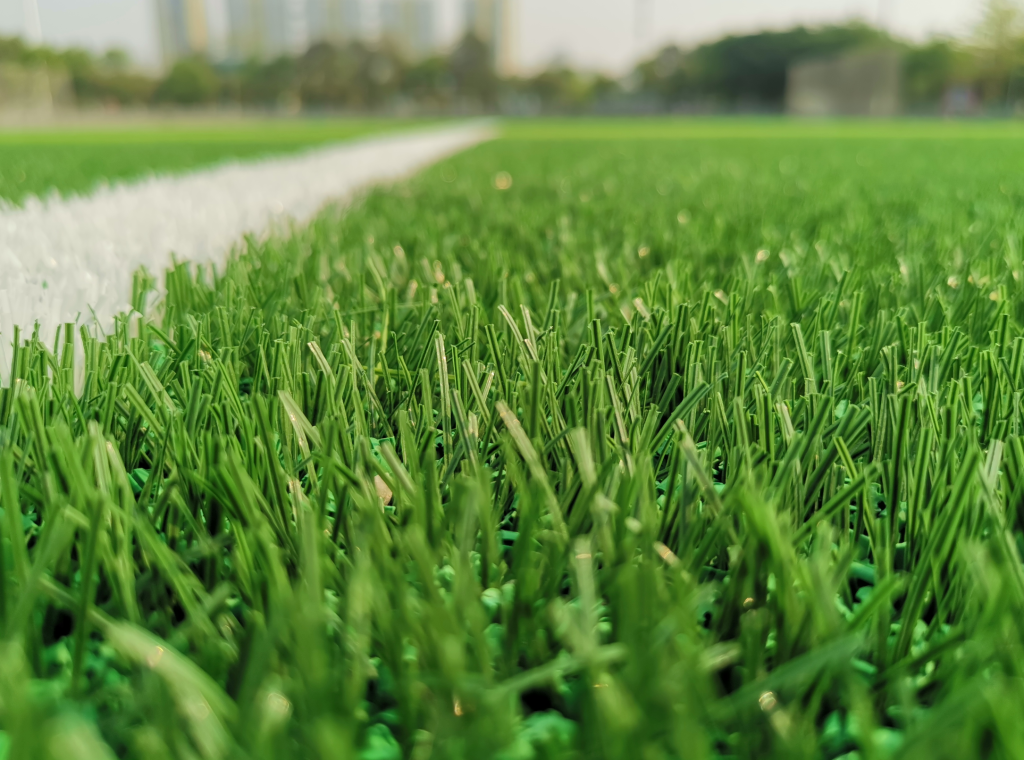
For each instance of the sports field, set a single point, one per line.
(76, 159)
(658, 439)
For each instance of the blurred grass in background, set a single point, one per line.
(756, 128)
(75, 159)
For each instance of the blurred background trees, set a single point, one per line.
(997, 48)
(739, 73)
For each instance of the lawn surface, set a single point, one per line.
(753, 128)
(565, 448)
(75, 160)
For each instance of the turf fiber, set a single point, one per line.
(617, 447)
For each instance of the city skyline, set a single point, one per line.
(266, 29)
(493, 22)
(336, 20)
(604, 35)
(408, 25)
(183, 29)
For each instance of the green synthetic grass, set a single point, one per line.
(669, 449)
(75, 160)
(754, 128)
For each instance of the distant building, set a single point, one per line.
(409, 25)
(286, 27)
(266, 29)
(183, 30)
(492, 22)
(245, 30)
(863, 83)
(335, 21)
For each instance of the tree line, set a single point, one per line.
(738, 72)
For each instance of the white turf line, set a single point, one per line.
(64, 260)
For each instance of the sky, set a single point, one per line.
(600, 35)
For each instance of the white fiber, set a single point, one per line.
(63, 260)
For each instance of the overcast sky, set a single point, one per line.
(605, 35)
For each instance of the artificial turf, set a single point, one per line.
(603, 448)
(77, 159)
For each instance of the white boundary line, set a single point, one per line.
(61, 260)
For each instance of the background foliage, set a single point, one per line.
(744, 72)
